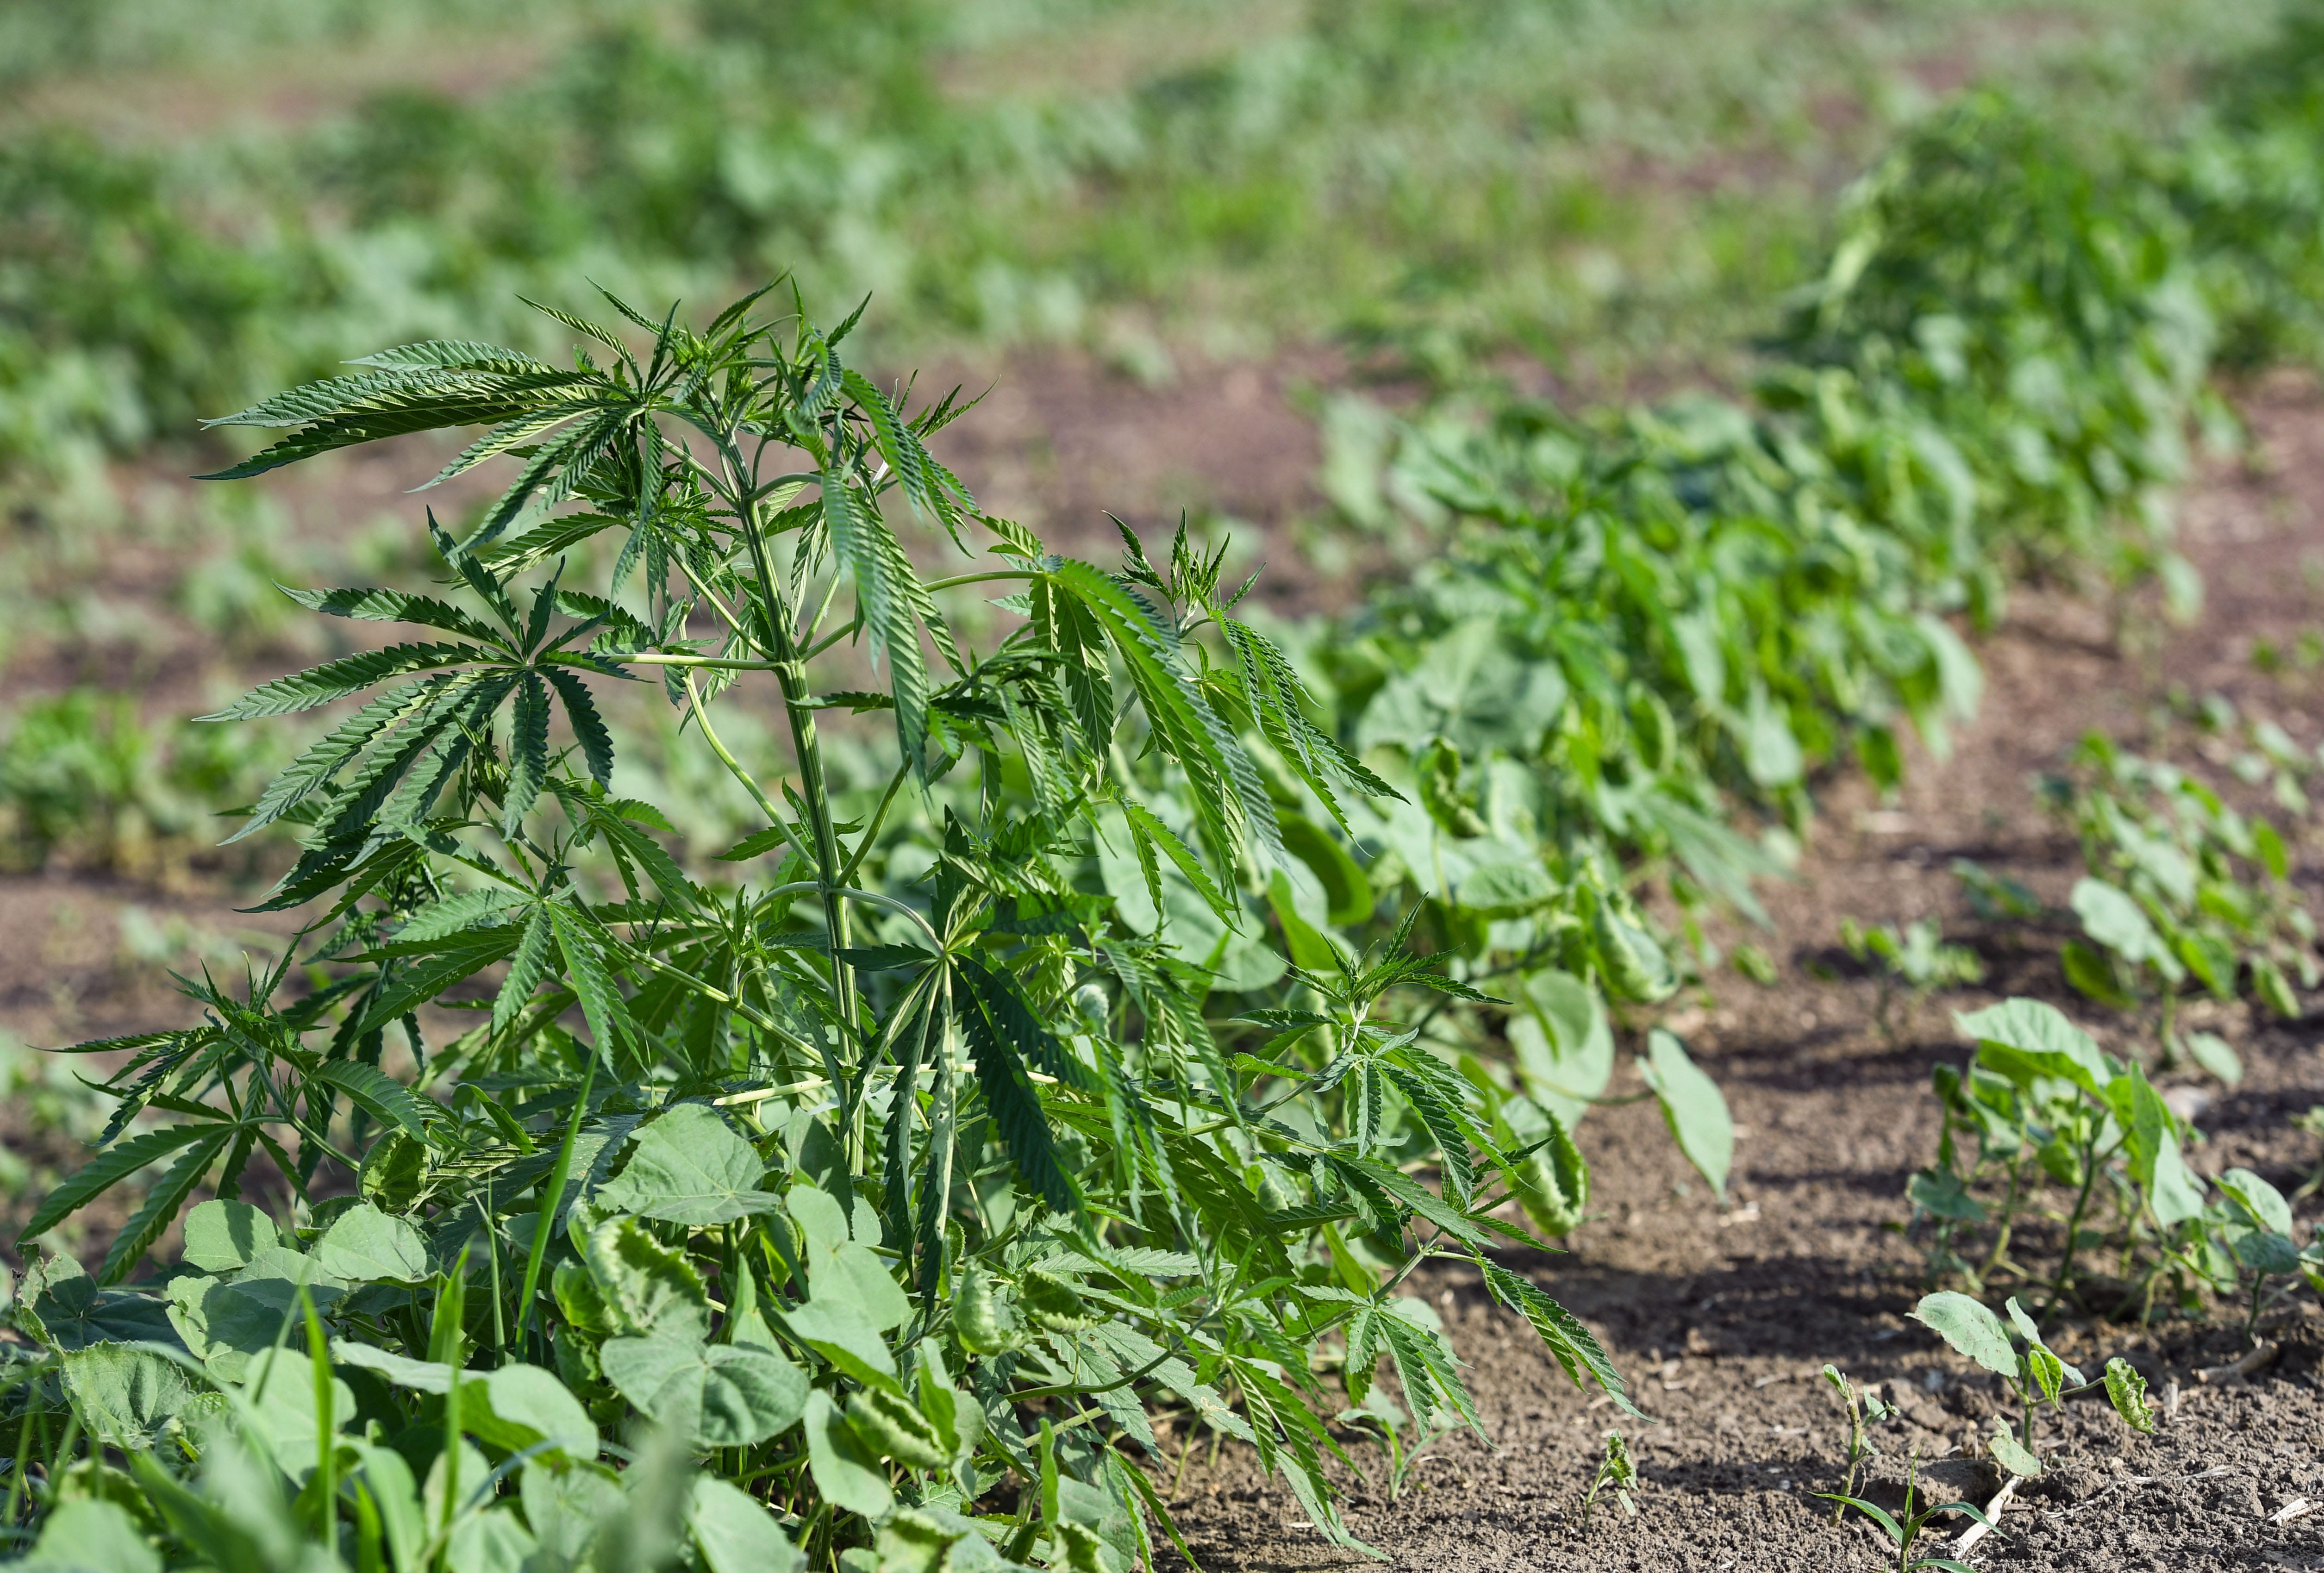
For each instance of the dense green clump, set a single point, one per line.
(910, 1166)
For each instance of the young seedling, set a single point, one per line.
(1864, 1410)
(2312, 1122)
(2246, 1241)
(2045, 1102)
(1995, 898)
(1379, 1416)
(2181, 887)
(2035, 1376)
(1901, 1532)
(1915, 956)
(1755, 963)
(1614, 1473)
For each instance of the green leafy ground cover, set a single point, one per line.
(1175, 990)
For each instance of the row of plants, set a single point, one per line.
(1646, 621)
(1660, 614)
(1099, 1076)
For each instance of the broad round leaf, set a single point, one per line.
(127, 1397)
(2024, 1038)
(690, 1167)
(2262, 1202)
(735, 1532)
(2114, 920)
(366, 1246)
(839, 1331)
(2012, 1455)
(222, 1236)
(88, 1534)
(1693, 1108)
(2215, 1055)
(282, 1414)
(523, 1405)
(1971, 1328)
(2267, 1254)
(722, 1394)
(844, 1470)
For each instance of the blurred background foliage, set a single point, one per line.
(1604, 189)
(1510, 212)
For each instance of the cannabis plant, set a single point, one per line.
(906, 1183)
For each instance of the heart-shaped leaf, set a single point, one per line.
(366, 1246)
(690, 1167)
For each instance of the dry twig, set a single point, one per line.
(1978, 1529)
(2259, 1358)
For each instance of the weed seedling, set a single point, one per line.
(1915, 956)
(1903, 1532)
(2035, 1377)
(1864, 1410)
(1995, 898)
(2244, 1241)
(2043, 1102)
(2312, 1122)
(2180, 887)
(1614, 1473)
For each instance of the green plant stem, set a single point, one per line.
(550, 1199)
(992, 577)
(23, 1449)
(852, 626)
(655, 659)
(790, 675)
(326, 1482)
(492, 1259)
(2057, 1289)
(750, 783)
(1855, 1453)
(62, 1457)
(2008, 1213)
(872, 827)
(849, 893)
